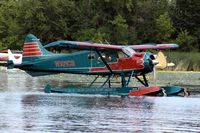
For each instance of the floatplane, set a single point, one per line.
(14, 55)
(95, 59)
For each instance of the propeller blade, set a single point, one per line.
(154, 76)
(162, 60)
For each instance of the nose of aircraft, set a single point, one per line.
(151, 61)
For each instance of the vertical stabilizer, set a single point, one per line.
(33, 47)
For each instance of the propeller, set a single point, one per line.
(160, 63)
(154, 62)
(154, 76)
(160, 57)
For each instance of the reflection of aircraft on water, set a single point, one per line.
(95, 59)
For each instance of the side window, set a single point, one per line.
(121, 55)
(91, 56)
(128, 51)
(106, 57)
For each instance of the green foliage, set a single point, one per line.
(164, 28)
(49, 20)
(101, 21)
(9, 28)
(185, 16)
(186, 41)
(119, 30)
(147, 11)
(184, 61)
(90, 34)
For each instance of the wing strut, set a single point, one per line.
(107, 80)
(145, 83)
(104, 61)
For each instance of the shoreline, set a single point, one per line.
(2, 68)
(187, 79)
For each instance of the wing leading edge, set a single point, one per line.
(157, 46)
(86, 45)
(83, 45)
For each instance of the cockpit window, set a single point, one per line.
(122, 55)
(106, 57)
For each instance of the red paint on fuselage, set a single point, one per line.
(129, 63)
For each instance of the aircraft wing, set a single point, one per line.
(87, 45)
(83, 45)
(157, 46)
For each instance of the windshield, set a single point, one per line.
(128, 51)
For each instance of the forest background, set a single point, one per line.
(121, 22)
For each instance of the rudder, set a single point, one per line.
(33, 47)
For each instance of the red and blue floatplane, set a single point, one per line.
(95, 59)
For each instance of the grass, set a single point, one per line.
(185, 61)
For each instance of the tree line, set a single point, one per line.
(102, 21)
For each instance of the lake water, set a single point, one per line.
(25, 108)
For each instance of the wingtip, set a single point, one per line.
(170, 46)
(176, 45)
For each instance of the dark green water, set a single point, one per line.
(24, 108)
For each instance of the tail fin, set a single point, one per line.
(11, 56)
(33, 47)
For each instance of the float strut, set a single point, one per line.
(94, 80)
(145, 83)
(109, 84)
(129, 79)
(145, 80)
(108, 79)
(123, 81)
